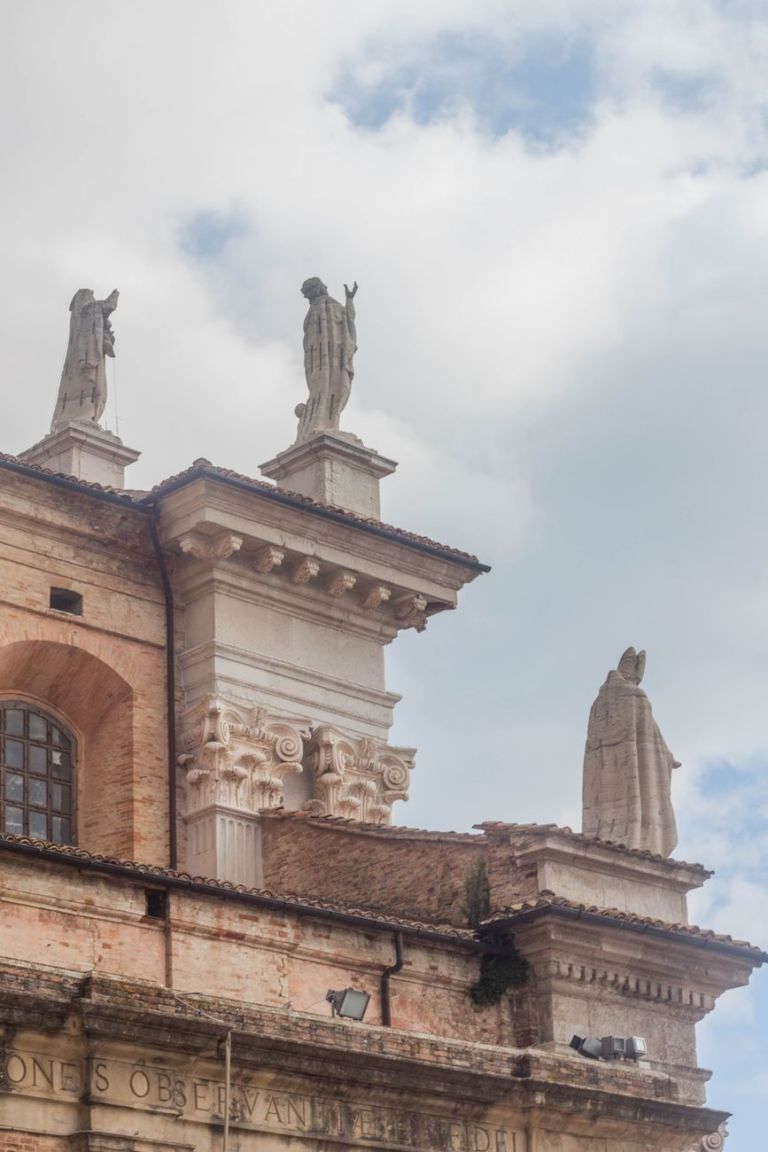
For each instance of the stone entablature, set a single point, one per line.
(149, 1059)
(586, 870)
(396, 607)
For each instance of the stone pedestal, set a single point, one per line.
(84, 451)
(333, 468)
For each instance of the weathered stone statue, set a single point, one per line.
(627, 766)
(330, 342)
(83, 389)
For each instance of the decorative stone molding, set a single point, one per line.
(630, 984)
(238, 760)
(358, 779)
(340, 582)
(268, 558)
(305, 570)
(218, 547)
(374, 596)
(712, 1143)
(411, 611)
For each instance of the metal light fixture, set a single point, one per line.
(587, 1046)
(614, 1047)
(349, 1003)
(610, 1047)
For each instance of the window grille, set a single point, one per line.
(36, 775)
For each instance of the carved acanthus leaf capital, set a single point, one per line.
(340, 582)
(238, 758)
(218, 547)
(374, 595)
(712, 1143)
(411, 611)
(304, 570)
(268, 558)
(357, 778)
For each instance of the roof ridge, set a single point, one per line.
(549, 900)
(289, 899)
(491, 826)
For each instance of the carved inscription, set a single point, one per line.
(162, 1089)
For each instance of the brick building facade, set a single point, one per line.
(197, 843)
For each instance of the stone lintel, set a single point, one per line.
(84, 451)
(333, 469)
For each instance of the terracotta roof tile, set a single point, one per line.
(494, 827)
(17, 464)
(283, 899)
(394, 831)
(203, 468)
(546, 901)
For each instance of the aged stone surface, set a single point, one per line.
(358, 779)
(83, 389)
(712, 1143)
(236, 760)
(330, 342)
(627, 766)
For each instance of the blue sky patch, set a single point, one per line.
(205, 235)
(543, 89)
(684, 91)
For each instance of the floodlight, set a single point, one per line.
(614, 1047)
(587, 1046)
(350, 1003)
(636, 1047)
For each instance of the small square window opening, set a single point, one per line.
(65, 601)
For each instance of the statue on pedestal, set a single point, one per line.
(330, 342)
(627, 766)
(83, 389)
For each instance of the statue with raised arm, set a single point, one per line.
(330, 342)
(83, 389)
(627, 766)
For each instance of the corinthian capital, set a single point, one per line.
(237, 758)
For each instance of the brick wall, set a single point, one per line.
(102, 673)
(412, 877)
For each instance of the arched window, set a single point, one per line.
(36, 774)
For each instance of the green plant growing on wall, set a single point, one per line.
(477, 895)
(500, 970)
(502, 967)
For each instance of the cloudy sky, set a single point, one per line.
(558, 217)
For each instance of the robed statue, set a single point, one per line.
(330, 342)
(627, 766)
(83, 389)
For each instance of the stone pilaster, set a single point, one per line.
(235, 765)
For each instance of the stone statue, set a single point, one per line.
(83, 388)
(627, 766)
(330, 342)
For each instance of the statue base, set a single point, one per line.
(333, 468)
(84, 451)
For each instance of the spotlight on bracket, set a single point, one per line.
(587, 1046)
(349, 1003)
(610, 1047)
(614, 1047)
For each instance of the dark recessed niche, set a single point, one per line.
(65, 601)
(155, 903)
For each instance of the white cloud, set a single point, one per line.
(566, 348)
